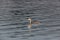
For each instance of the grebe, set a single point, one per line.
(32, 22)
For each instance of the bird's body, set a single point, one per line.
(35, 22)
(32, 22)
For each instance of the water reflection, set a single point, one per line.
(14, 23)
(25, 33)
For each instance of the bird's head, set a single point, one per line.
(29, 18)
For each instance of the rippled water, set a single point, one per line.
(14, 14)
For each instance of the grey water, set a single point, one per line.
(14, 23)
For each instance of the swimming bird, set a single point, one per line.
(32, 22)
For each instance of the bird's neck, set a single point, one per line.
(30, 21)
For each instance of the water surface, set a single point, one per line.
(14, 14)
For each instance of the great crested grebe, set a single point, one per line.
(32, 22)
